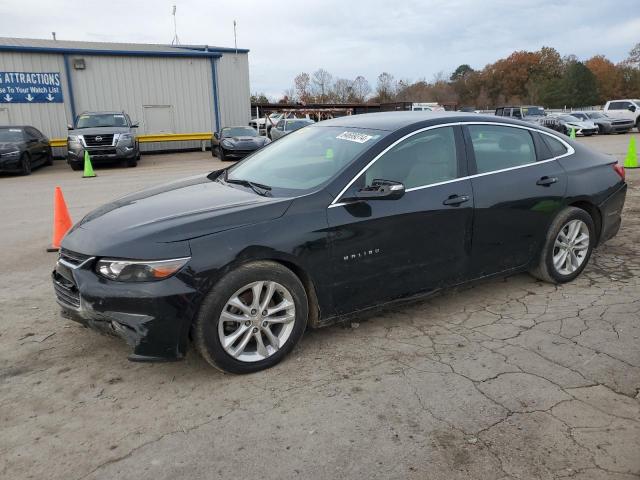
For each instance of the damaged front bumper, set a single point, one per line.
(152, 317)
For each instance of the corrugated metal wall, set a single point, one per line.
(234, 95)
(131, 83)
(50, 118)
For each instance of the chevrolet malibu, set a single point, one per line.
(336, 218)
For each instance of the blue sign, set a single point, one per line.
(30, 87)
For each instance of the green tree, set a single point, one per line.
(259, 98)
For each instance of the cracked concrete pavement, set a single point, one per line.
(509, 379)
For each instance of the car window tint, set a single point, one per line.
(556, 146)
(517, 113)
(423, 159)
(497, 147)
(499, 112)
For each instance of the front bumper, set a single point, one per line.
(152, 317)
(9, 163)
(237, 153)
(103, 154)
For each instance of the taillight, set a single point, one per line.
(620, 170)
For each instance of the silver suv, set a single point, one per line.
(107, 136)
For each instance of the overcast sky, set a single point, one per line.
(410, 39)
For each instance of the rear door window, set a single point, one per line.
(498, 147)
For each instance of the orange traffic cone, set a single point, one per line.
(61, 220)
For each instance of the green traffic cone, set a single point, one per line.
(88, 169)
(631, 160)
(573, 133)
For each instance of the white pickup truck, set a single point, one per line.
(628, 108)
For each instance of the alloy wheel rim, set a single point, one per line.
(256, 321)
(571, 247)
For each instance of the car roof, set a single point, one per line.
(5, 127)
(392, 121)
(102, 113)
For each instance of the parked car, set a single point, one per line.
(243, 259)
(629, 109)
(427, 107)
(264, 126)
(528, 113)
(22, 148)
(107, 136)
(567, 122)
(605, 123)
(284, 127)
(234, 143)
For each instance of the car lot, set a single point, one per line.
(508, 379)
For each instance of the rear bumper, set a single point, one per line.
(152, 317)
(611, 211)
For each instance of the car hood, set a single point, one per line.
(99, 130)
(147, 223)
(6, 147)
(582, 124)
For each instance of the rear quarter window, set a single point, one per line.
(556, 146)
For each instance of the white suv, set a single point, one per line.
(629, 108)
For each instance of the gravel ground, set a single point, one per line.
(509, 379)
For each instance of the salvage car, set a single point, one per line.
(234, 143)
(567, 122)
(284, 127)
(23, 148)
(335, 219)
(605, 123)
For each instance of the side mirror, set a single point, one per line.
(135, 125)
(216, 136)
(381, 190)
(632, 108)
(69, 126)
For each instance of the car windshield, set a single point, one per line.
(581, 116)
(569, 118)
(596, 115)
(305, 159)
(101, 120)
(11, 135)
(292, 125)
(239, 132)
(533, 111)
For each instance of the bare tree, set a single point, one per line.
(361, 88)
(386, 88)
(343, 90)
(322, 83)
(302, 84)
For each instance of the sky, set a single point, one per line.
(410, 39)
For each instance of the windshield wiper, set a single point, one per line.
(259, 188)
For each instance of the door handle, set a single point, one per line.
(456, 200)
(546, 181)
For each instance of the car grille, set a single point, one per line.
(98, 140)
(66, 291)
(74, 258)
(103, 151)
(621, 122)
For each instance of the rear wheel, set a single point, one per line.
(252, 318)
(568, 247)
(25, 164)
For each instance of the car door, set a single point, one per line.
(43, 142)
(517, 193)
(386, 249)
(621, 110)
(34, 146)
(277, 131)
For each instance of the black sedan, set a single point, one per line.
(234, 143)
(336, 218)
(22, 149)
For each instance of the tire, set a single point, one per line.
(131, 163)
(76, 166)
(221, 155)
(25, 164)
(213, 152)
(545, 269)
(239, 283)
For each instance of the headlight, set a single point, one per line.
(227, 143)
(139, 270)
(125, 138)
(266, 140)
(13, 154)
(74, 140)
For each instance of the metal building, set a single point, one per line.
(186, 90)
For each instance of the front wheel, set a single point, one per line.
(252, 318)
(568, 247)
(76, 166)
(25, 164)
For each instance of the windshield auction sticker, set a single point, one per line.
(355, 137)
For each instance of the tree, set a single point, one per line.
(259, 98)
(302, 84)
(343, 90)
(361, 89)
(633, 60)
(322, 82)
(608, 77)
(461, 72)
(386, 88)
